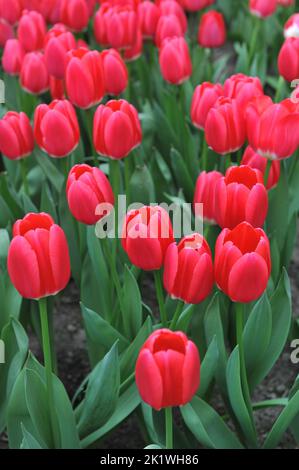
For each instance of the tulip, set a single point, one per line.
(147, 233)
(167, 369)
(170, 7)
(6, 32)
(50, 9)
(149, 15)
(13, 56)
(11, 10)
(243, 89)
(116, 26)
(262, 8)
(167, 27)
(133, 52)
(242, 262)
(38, 257)
(57, 89)
(195, 5)
(175, 61)
(204, 98)
(31, 31)
(205, 194)
(272, 128)
(291, 28)
(286, 3)
(211, 30)
(225, 126)
(56, 128)
(288, 59)
(16, 135)
(254, 160)
(188, 269)
(74, 14)
(58, 42)
(116, 129)
(115, 72)
(86, 188)
(34, 77)
(85, 83)
(241, 195)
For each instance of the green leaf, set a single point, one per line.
(208, 367)
(132, 304)
(142, 188)
(182, 174)
(47, 202)
(49, 169)
(207, 426)
(29, 442)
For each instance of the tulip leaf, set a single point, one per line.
(47, 203)
(49, 169)
(141, 187)
(277, 218)
(208, 367)
(207, 426)
(10, 197)
(132, 305)
(182, 174)
(29, 442)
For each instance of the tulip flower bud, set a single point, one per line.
(50, 9)
(13, 56)
(74, 14)
(204, 98)
(167, 369)
(243, 89)
(38, 257)
(147, 232)
(116, 129)
(116, 26)
(291, 28)
(56, 128)
(34, 77)
(242, 262)
(115, 72)
(225, 126)
(57, 89)
(11, 10)
(16, 136)
(205, 191)
(170, 7)
(211, 30)
(31, 31)
(288, 59)
(241, 195)
(133, 52)
(195, 5)
(272, 129)
(58, 43)
(6, 32)
(84, 76)
(254, 160)
(86, 188)
(175, 61)
(167, 27)
(262, 8)
(188, 269)
(149, 15)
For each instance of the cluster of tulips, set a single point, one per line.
(106, 91)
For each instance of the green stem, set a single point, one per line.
(114, 173)
(267, 172)
(124, 384)
(254, 38)
(280, 86)
(204, 153)
(169, 428)
(48, 364)
(177, 314)
(207, 231)
(89, 124)
(160, 297)
(64, 166)
(127, 178)
(24, 175)
(228, 161)
(244, 381)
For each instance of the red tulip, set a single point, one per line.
(254, 160)
(38, 257)
(241, 195)
(86, 188)
(115, 72)
(149, 15)
(13, 56)
(195, 5)
(291, 28)
(116, 129)
(211, 30)
(170, 7)
(57, 89)
(50, 9)
(225, 126)
(56, 128)
(11, 10)
(85, 83)
(272, 129)
(204, 98)
(167, 27)
(34, 77)
(58, 42)
(31, 31)
(175, 61)
(116, 26)
(74, 14)
(243, 89)
(288, 59)
(188, 269)
(205, 194)
(6, 32)
(133, 52)
(262, 8)
(167, 369)
(16, 136)
(286, 3)
(242, 262)
(147, 233)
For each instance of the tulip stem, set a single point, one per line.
(177, 314)
(24, 175)
(254, 38)
(267, 172)
(279, 89)
(204, 153)
(169, 427)
(239, 331)
(48, 363)
(160, 297)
